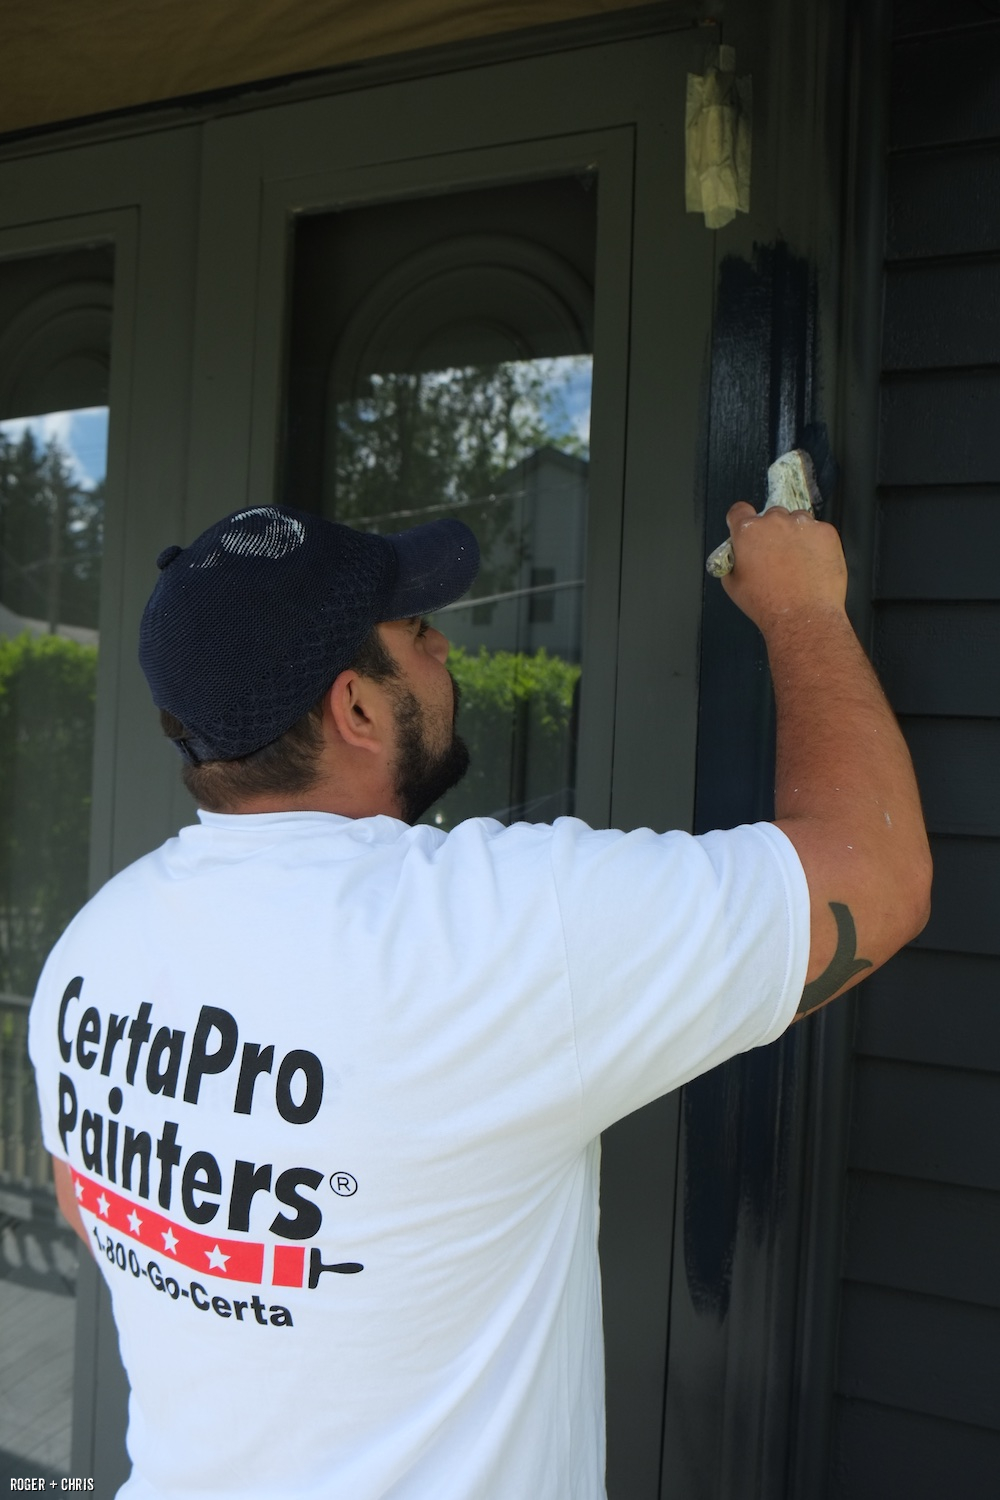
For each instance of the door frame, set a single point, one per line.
(198, 438)
(530, 118)
(139, 197)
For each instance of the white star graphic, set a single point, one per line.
(169, 1240)
(78, 1187)
(134, 1222)
(216, 1259)
(103, 1205)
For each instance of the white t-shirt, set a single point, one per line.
(331, 1092)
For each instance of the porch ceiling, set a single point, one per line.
(69, 59)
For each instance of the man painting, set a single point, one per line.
(324, 1087)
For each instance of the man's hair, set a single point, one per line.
(287, 765)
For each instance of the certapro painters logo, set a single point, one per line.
(143, 1241)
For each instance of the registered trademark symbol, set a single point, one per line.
(343, 1184)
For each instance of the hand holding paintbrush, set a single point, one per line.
(791, 484)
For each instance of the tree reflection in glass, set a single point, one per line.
(505, 447)
(51, 524)
(51, 533)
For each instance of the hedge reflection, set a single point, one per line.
(518, 718)
(47, 692)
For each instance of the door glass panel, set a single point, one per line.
(441, 364)
(54, 344)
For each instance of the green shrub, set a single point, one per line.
(517, 717)
(47, 692)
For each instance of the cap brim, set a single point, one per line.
(436, 564)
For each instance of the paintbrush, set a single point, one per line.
(791, 483)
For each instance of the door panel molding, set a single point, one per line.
(610, 155)
(202, 235)
(619, 108)
(138, 196)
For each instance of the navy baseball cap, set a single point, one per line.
(249, 625)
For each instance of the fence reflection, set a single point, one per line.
(24, 1161)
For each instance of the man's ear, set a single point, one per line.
(357, 710)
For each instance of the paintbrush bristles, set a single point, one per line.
(791, 482)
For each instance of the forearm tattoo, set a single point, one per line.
(843, 966)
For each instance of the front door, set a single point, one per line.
(478, 294)
(95, 265)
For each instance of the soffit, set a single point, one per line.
(70, 59)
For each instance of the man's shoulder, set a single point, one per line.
(117, 890)
(478, 837)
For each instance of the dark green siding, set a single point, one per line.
(918, 1383)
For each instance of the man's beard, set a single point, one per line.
(423, 775)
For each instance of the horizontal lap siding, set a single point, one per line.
(895, 1330)
(935, 1123)
(965, 914)
(935, 1008)
(914, 18)
(944, 202)
(918, 1386)
(942, 316)
(901, 1239)
(940, 427)
(957, 762)
(940, 543)
(940, 658)
(944, 90)
(889, 1454)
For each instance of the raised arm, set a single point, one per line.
(845, 793)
